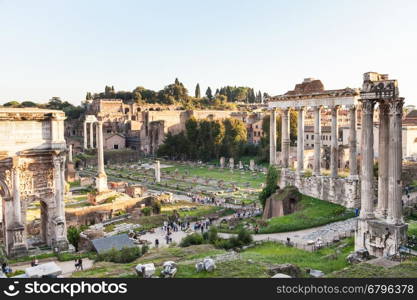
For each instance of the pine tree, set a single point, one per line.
(197, 91)
(209, 94)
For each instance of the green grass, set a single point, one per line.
(313, 213)
(324, 259)
(407, 269)
(263, 256)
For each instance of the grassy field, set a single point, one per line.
(407, 269)
(313, 213)
(252, 263)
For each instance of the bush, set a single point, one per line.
(156, 207)
(212, 235)
(244, 237)
(271, 185)
(125, 255)
(192, 239)
(147, 211)
(145, 249)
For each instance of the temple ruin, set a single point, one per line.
(32, 168)
(381, 228)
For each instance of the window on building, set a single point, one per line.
(115, 146)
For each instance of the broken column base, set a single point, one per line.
(18, 250)
(101, 183)
(380, 238)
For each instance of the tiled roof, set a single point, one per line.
(117, 242)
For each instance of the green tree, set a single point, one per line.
(73, 235)
(197, 91)
(11, 104)
(209, 93)
(28, 104)
(271, 185)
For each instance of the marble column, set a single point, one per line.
(92, 135)
(101, 179)
(317, 141)
(383, 159)
(394, 214)
(97, 134)
(300, 141)
(285, 140)
(59, 182)
(17, 206)
(367, 151)
(353, 160)
(100, 153)
(273, 137)
(157, 171)
(334, 150)
(85, 135)
(70, 153)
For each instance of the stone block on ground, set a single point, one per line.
(145, 270)
(289, 269)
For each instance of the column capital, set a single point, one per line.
(368, 106)
(351, 107)
(301, 108)
(396, 106)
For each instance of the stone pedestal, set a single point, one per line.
(222, 162)
(17, 246)
(252, 165)
(231, 163)
(379, 237)
(101, 183)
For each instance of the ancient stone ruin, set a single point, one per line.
(32, 168)
(282, 202)
(381, 229)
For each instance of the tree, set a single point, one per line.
(28, 104)
(197, 91)
(73, 235)
(11, 104)
(271, 185)
(209, 93)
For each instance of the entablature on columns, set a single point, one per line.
(312, 102)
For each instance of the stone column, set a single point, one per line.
(100, 153)
(273, 138)
(17, 207)
(367, 169)
(157, 171)
(395, 215)
(334, 153)
(97, 134)
(300, 141)
(383, 159)
(59, 183)
(317, 141)
(101, 179)
(353, 161)
(92, 135)
(70, 153)
(285, 139)
(85, 135)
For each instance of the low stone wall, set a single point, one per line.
(99, 213)
(342, 191)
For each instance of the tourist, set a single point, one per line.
(5, 268)
(156, 243)
(256, 229)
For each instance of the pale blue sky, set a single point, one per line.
(66, 48)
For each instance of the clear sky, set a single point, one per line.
(66, 48)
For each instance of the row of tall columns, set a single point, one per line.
(390, 161)
(89, 142)
(334, 157)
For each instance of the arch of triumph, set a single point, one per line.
(32, 166)
(381, 228)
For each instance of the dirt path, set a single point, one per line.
(67, 267)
